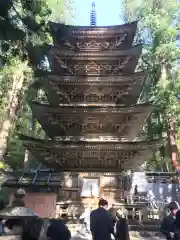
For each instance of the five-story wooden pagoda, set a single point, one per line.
(93, 115)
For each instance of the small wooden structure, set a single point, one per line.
(33, 179)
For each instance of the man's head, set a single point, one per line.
(173, 207)
(103, 203)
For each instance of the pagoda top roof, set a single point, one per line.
(93, 38)
(75, 30)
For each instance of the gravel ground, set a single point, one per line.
(81, 236)
(78, 237)
(132, 238)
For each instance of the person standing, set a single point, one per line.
(126, 196)
(168, 224)
(177, 226)
(136, 194)
(113, 212)
(58, 230)
(101, 222)
(122, 229)
(85, 217)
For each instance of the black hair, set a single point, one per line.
(172, 206)
(32, 229)
(102, 202)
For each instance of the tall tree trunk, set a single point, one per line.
(14, 103)
(171, 121)
(172, 143)
(27, 154)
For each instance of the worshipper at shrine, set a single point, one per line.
(136, 190)
(85, 218)
(101, 223)
(136, 194)
(126, 195)
(168, 224)
(114, 213)
(151, 198)
(35, 229)
(58, 230)
(122, 230)
(177, 226)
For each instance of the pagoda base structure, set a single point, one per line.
(70, 201)
(81, 190)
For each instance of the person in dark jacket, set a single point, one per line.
(101, 222)
(31, 229)
(122, 231)
(177, 226)
(58, 230)
(113, 212)
(168, 224)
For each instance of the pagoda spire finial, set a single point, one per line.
(93, 14)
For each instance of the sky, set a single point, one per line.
(108, 12)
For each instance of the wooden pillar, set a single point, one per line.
(101, 178)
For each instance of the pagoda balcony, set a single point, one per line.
(93, 38)
(86, 156)
(94, 63)
(123, 90)
(92, 121)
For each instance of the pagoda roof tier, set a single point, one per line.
(124, 90)
(91, 156)
(88, 121)
(94, 63)
(93, 38)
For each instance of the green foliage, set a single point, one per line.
(158, 29)
(62, 10)
(22, 22)
(23, 28)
